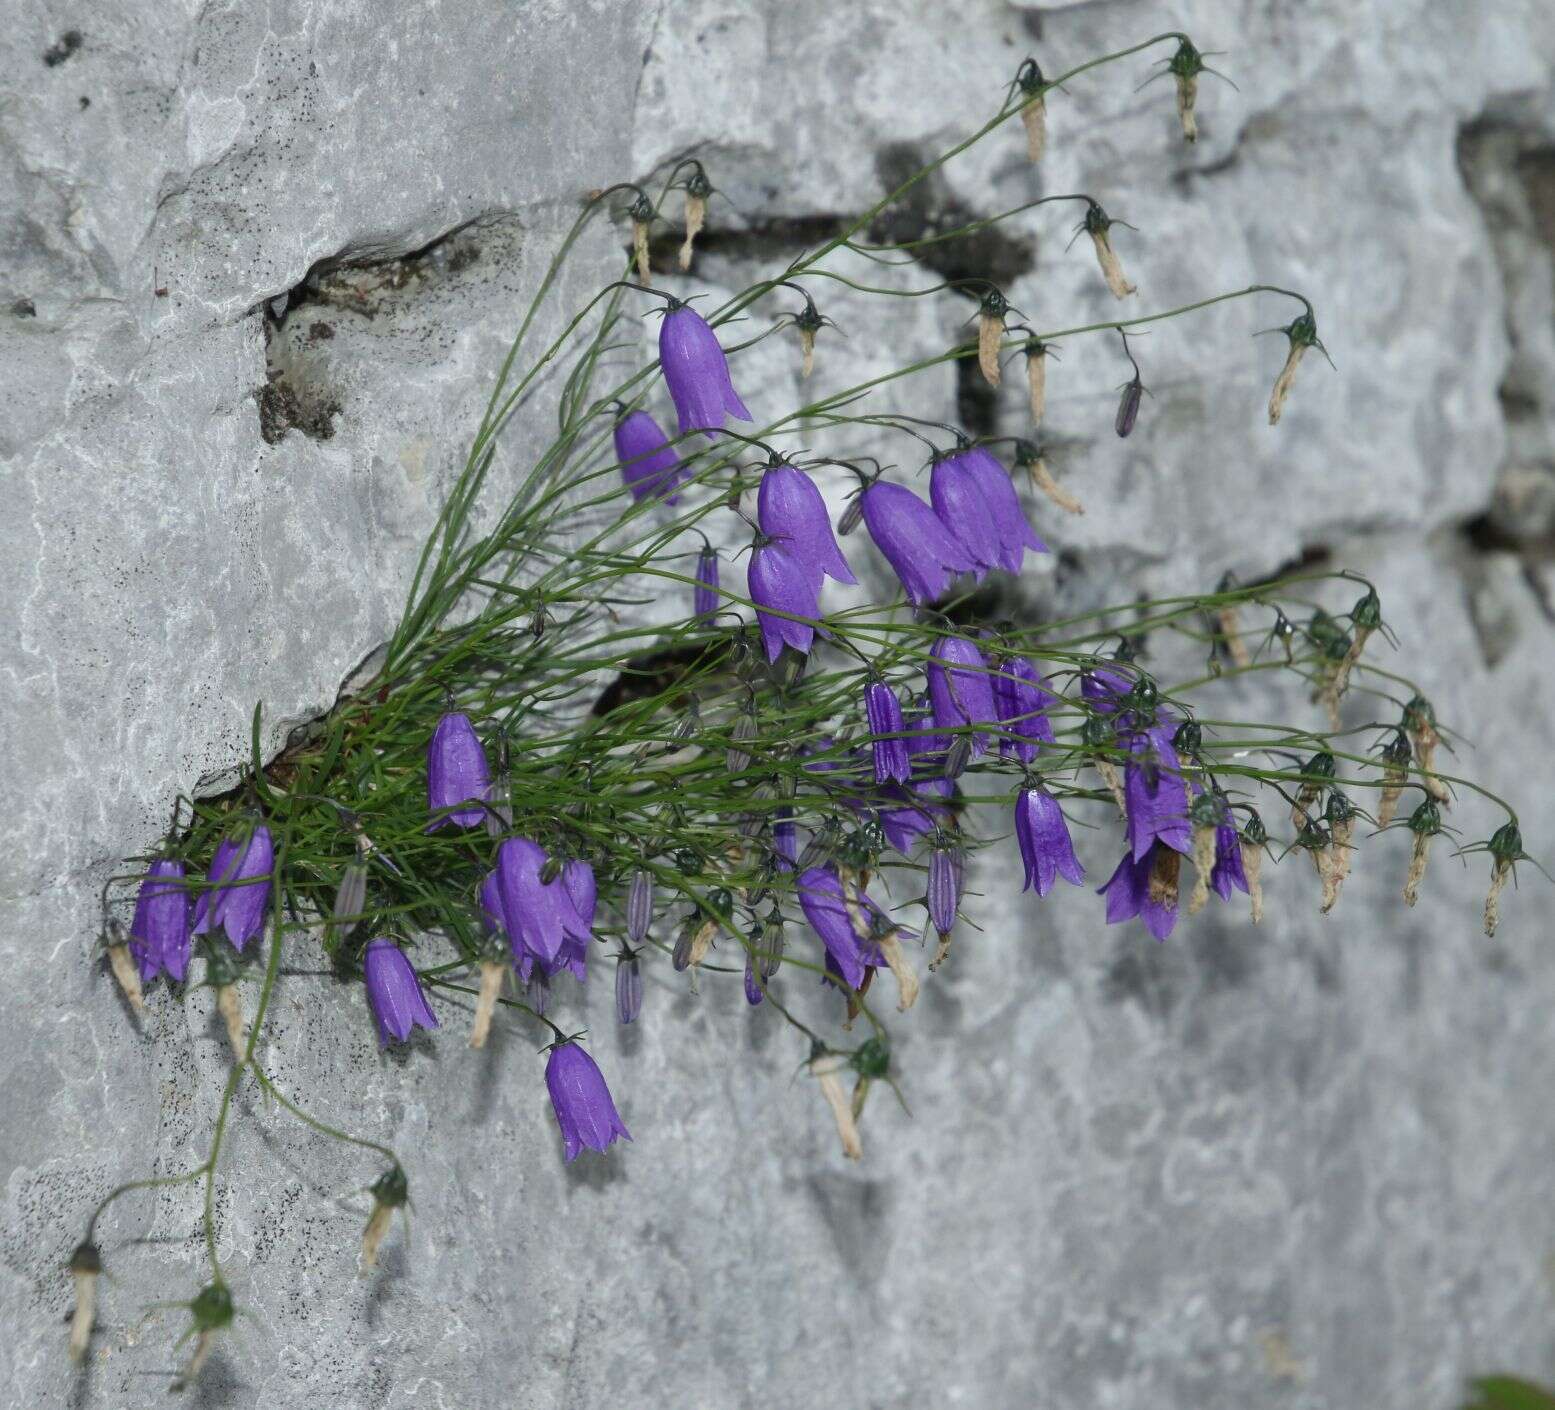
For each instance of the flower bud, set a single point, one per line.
(486, 1001)
(86, 1265)
(1425, 822)
(738, 756)
(827, 1069)
(639, 905)
(350, 899)
(705, 598)
(629, 988)
(1098, 225)
(390, 1191)
(958, 756)
(852, 516)
(754, 993)
(944, 895)
(1128, 407)
(698, 189)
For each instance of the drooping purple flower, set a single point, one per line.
(696, 371)
(944, 891)
(159, 933)
(821, 898)
(924, 553)
(457, 772)
(791, 511)
(581, 1100)
(884, 712)
(962, 508)
(629, 989)
(1045, 844)
(1129, 893)
(238, 901)
(1022, 700)
(705, 597)
(961, 688)
(777, 580)
(578, 881)
(394, 992)
(537, 914)
(1015, 534)
(1228, 871)
(1155, 794)
(649, 465)
(753, 990)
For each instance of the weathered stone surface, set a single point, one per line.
(1303, 1165)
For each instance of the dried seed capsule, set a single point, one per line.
(390, 1191)
(642, 216)
(990, 331)
(1425, 822)
(1098, 225)
(698, 189)
(492, 972)
(827, 1069)
(1506, 848)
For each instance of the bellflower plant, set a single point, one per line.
(675, 790)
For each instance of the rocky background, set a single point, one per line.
(258, 261)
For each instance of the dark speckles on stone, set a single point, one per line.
(66, 45)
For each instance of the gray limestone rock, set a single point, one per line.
(1303, 1165)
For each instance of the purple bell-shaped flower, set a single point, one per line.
(1014, 533)
(696, 371)
(649, 465)
(884, 712)
(394, 992)
(581, 1100)
(792, 512)
(960, 505)
(457, 772)
(1022, 700)
(1155, 794)
(961, 688)
(923, 552)
(1045, 844)
(159, 932)
(778, 580)
(239, 875)
(1145, 887)
(537, 914)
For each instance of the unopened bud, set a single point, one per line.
(738, 756)
(639, 905)
(486, 1001)
(852, 516)
(350, 898)
(1128, 407)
